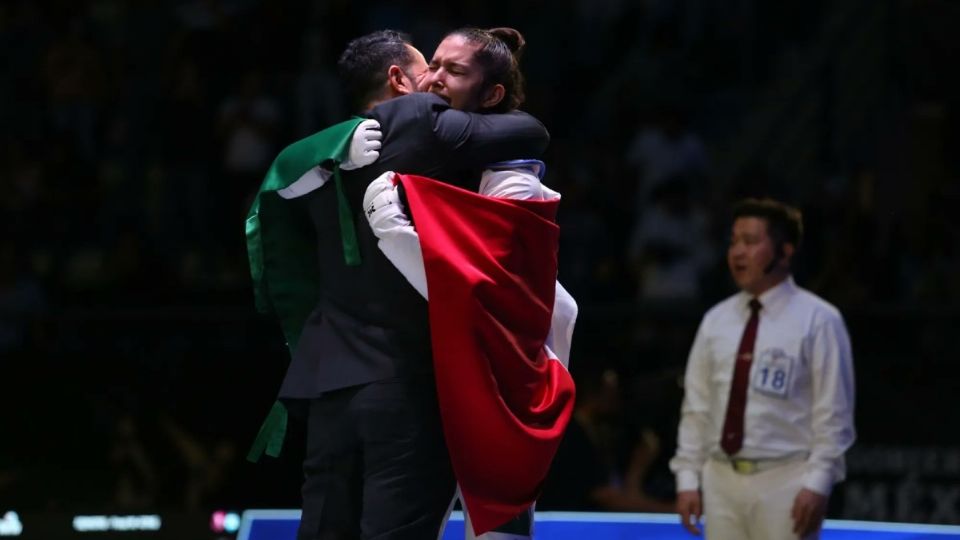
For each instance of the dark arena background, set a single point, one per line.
(135, 371)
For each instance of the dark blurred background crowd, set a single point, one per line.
(134, 371)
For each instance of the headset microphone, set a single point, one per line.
(777, 256)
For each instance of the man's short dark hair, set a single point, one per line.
(364, 63)
(784, 222)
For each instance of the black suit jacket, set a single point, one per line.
(370, 323)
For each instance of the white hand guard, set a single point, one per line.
(364, 146)
(382, 206)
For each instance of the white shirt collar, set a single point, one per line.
(773, 299)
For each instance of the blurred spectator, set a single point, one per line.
(74, 76)
(22, 299)
(186, 150)
(319, 96)
(666, 149)
(249, 120)
(136, 484)
(590, 242)
(248, 123)
(22, 94)
(208, 466)
(587, 473)
(670, 246)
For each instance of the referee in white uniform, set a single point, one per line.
(767, 411)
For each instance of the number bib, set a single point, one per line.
(773, 372)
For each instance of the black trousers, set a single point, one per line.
(376, 464)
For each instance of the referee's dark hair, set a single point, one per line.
(364, 63)
(784, 222)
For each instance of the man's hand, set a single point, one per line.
(809, 507)
(689, 508)
(382, 206)
(364, 146)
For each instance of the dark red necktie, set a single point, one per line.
(732, 438)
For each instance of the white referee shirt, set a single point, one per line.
(800, 394)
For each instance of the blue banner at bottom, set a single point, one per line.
(282, 525)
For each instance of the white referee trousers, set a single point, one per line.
(751, 506)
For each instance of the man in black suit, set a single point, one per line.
(376, 464)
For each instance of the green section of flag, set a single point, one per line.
(282, 252)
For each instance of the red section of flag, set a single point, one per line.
(491, 268)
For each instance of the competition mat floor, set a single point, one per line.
(282, 525)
